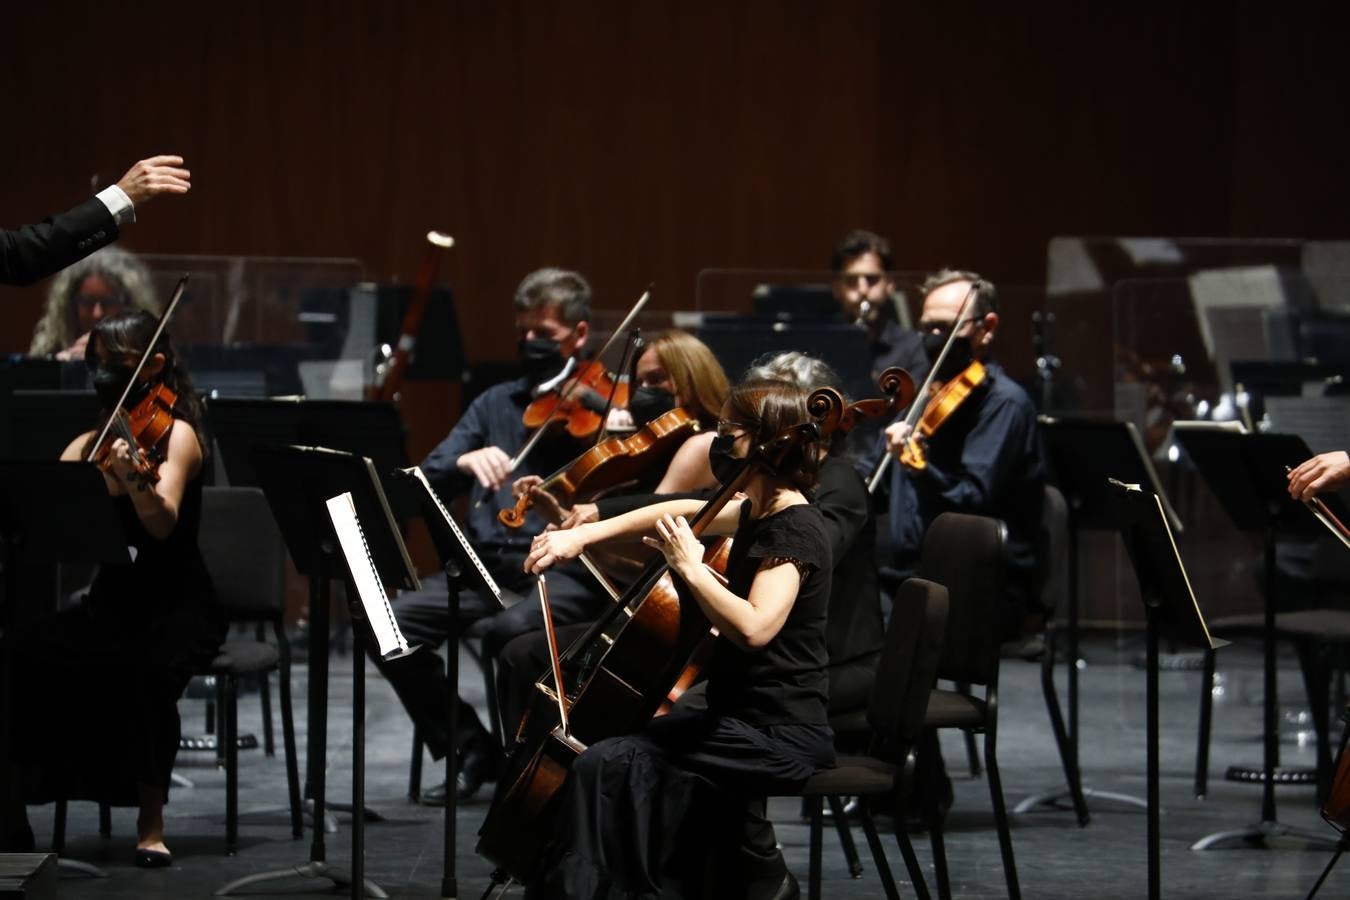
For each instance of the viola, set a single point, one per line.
(144, 427)
(611, 462)
(940, 407)
(580, 402)
(617, 676)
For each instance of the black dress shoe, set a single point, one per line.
(153, 859)
(789, 889)
(434, 796)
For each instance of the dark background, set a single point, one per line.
(643, 142)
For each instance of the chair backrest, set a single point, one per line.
(244, 552)
(908, 665)
(1052, 552)
(967, 555)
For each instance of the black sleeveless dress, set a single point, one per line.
(97, 685)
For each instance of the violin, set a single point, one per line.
(913, 449)
(945, 401)
(1336, 808)
(618, 675)
(612, 462)
(144, 427)
(580, 403)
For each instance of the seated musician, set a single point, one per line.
(864, 289)
(551, 311)
(676, 369)
(95, 701)
(984, 459)
(98, 286)
(679, 807)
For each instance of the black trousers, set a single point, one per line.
(424, 618)
(679, 810)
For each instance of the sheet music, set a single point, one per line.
(416, 472)
(374, 599)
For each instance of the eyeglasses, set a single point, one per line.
(108, 303)
(870, 279)
(726, 429)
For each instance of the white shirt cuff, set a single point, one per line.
(118, 203)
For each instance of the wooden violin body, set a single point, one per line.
(144, 427)
(612, 462)
(579, 403)
(940, 407)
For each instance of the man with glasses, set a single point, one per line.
(863, 287)
(36, 251)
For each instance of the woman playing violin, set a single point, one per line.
(130, 647)
(679, 808)
(675, 370)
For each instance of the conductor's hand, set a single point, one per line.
(490, 465)
(1324, 472)
(154, 176)
(896, 437)
(677, 543)
(553, 547)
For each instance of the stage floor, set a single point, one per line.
(1055, 858)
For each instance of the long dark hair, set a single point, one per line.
(768, 407)
(130, 332)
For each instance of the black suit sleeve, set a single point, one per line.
(36, 251)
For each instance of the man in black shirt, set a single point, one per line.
(985, 459)
(551, 311)
(864, 289)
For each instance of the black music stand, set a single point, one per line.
(1247, 473)
(53, 512)
(298, 481)
(1168, 600)
(457, 560)
(1084, 454)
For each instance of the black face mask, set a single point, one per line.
(541, 357)
(958, 357)
(647, 403)
(109, 380)
(725, 467)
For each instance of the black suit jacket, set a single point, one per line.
(36, 251)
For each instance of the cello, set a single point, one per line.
(613, 678)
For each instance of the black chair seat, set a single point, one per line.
(951, 709)
(243, 657)
(852, 775)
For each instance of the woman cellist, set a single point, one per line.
(111, 669)
(679, 808)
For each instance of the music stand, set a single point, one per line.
(457, 558)
(1166, 592)
(52, 512)
(298, 481)
(1084, 454)
(1247, 473)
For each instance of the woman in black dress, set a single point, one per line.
(96, 686)
(678, 810)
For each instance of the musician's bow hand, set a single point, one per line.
(490, 465)
(1324, 472)
(897, 436)
(553, 547)
(678, 544)
(581, 514)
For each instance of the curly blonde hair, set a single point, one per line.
(125, 273)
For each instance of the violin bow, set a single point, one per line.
(567, 391)
(145, 355)
(916, 409)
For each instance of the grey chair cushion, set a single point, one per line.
(852, 775)
(244, 657)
